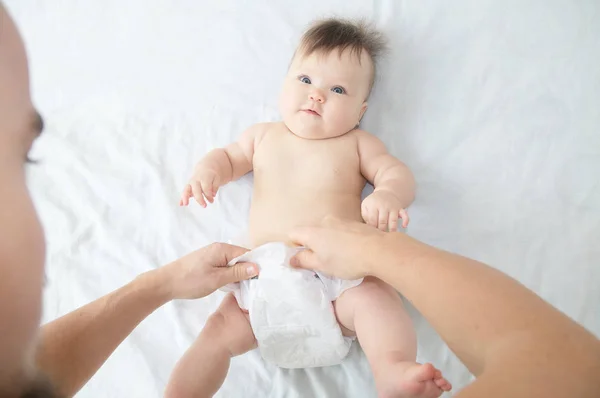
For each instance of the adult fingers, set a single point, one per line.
(304, 236)
(235, 273)
(229, 252)
(306, 259)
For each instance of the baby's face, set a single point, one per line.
(324, 96)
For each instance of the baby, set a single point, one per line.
(316, 163)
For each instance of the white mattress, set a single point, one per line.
(495, 105)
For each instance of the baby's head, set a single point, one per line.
(329, 80)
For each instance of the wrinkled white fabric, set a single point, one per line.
(498, 122)
(290, 309)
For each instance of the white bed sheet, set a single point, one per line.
(495, 105)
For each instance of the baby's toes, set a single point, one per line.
(440, 381)
(443, 384)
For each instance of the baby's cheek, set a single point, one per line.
(286, 102)
(284, 106)
(342, 121)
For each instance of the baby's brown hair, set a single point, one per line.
(330, 34)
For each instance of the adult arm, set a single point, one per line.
(515, 343)
(72, 348)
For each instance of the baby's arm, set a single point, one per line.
(221, 166)
(393, 181)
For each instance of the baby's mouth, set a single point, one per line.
(311, 112)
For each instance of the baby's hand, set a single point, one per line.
(382, 209)
(204, 184)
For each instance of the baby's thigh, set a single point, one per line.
(372, 299)
(230, 326)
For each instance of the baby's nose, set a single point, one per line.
(317, 96)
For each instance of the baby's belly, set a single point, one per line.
(274, 215)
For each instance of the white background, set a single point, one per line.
(495, 105)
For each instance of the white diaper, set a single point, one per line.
(290, 309)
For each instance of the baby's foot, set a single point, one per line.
(411, 380)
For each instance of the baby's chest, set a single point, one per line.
(314, 163)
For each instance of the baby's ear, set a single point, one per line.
(363, 109)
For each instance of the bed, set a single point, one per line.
(495, 106)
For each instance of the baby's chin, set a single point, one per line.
(311, 132)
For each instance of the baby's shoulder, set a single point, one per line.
(261, 128)
(361, 136)
(358, 133)
(368, 144)
(274, 127)
(256, 133)
(266, 128)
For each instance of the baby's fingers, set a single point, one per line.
(197, 190)
(383, 220)
(393, 221)
(185, 195)
(209, 190)
(370, 216)
(404, 216)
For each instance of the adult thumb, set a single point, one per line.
(238, 272)
(305, 259)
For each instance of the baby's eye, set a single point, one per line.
(338, 90)
(304, 79)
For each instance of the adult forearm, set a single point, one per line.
(73, 347)
(488, 319)
(522, 381)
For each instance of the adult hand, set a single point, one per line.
(203, 271)
(347, 250)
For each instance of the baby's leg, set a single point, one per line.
(202, 369)
(374, 312)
